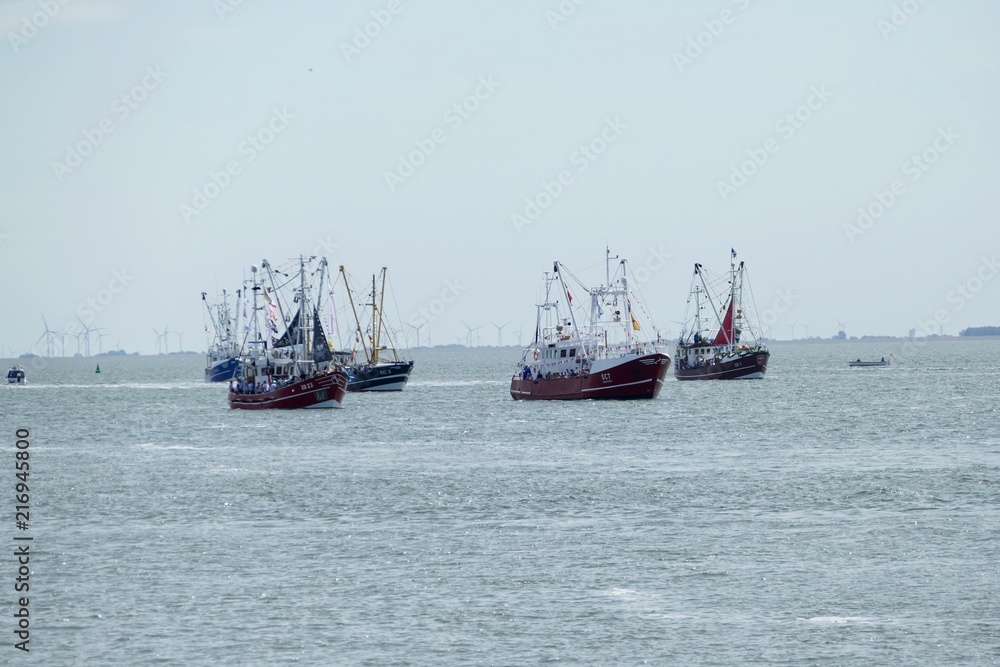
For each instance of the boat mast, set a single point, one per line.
(354, 309)
(629, 331)
(544, 306)
(377, 317)
(697, 300)
(281, 310)
(319, 297)
(731, 334)
(236, 320)
(211, 316)
(224, 316)
(381, 302)
(569, 303)
(322, 279)
(305, 325)
(251, 330)
(607, 266)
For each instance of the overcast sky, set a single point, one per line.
(154, 150)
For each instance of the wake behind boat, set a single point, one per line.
(719, 344)
(294, 370)
(591, 354)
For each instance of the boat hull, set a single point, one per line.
(867, 364)
(326, 390)
(381, 377)
(635, 377)
(222, 370)
(749, 367)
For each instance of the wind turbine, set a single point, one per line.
(417, 329)
(100, 335)
(86, 333)
(792, 327)
(500, 328)
(159, 337)
(180, 340)
(48, 336)
(471, 330)
(842, 328)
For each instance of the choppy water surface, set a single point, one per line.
(823, 515)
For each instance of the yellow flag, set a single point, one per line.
(635, 324)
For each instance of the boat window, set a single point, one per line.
(563, 352)
(572, 352)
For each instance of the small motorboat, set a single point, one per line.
(860, 363)
(16, 375)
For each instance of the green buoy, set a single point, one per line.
(98, 368)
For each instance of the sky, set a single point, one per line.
(153, 151)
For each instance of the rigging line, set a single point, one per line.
(753, 300)
(638, 292)
(563, 269)
(396, 306)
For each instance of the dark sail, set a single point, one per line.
(291, 335)
(321, 349)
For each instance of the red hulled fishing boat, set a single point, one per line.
(325, 389)
(592, 349)
(295, 370)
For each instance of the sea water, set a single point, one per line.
(822, 515)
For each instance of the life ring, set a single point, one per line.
(536, 355)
